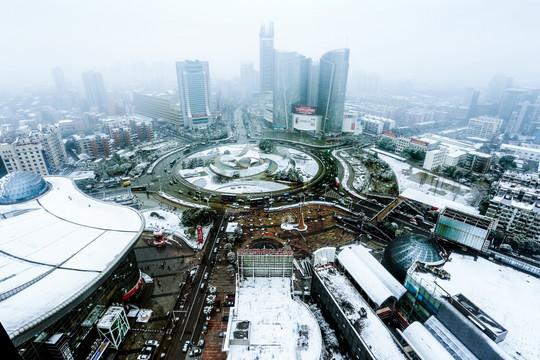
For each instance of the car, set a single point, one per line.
(204, 329)
(180, 192)
(222, 334)
(154, 343)
(228, 304)
(205, 276)
(321, 198)
(215, 250)
(202, 286)
(290, 200)
(200, 343)
(190, 193)
(147, 350)
(413, 221)
(171, 183)
(187, 345)
(144, 356)
(225, 318)
(195, 352)
(407, 228)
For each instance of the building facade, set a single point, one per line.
(266, 57)
(484, 127)
(290, 85)
(159, 107)
(95, 90)
(515, 216)
(333, 72)
(194, 92)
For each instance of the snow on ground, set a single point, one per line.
(204, 177)
(180, 201)
(409, 177)
(507, 295)
(171, 224)
(346, 174)
(373, 331)
(275, 319)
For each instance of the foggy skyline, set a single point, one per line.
(459, 43)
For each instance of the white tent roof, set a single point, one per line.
(372, 277)
(424, 344)
(54, 248)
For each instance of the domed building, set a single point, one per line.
(404, 250)
(66, 259)
(21, 186)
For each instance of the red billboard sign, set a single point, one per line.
(303, 109)
(199, 233)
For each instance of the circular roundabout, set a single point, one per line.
(245, 169)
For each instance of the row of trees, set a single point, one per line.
(198, 216)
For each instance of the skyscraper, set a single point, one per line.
(496, 87)
(266, 56)
(194, 92)
(510, 99)
(470, 101)
(95, 90)
(333, 71)
(291, 80)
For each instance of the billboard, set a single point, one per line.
(199, 233)
(306, 122)
(305, 110)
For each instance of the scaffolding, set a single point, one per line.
(265, 263)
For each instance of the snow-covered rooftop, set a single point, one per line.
(279, 327)
(370, 328)
(370, 275)
(424, 343)
(436, 201)
(54, 248)
(502, 292)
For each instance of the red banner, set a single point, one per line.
(199, 233)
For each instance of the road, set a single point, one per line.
(191, 320)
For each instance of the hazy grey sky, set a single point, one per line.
(461, 42)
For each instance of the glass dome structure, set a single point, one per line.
(21, 186)
(404, 250)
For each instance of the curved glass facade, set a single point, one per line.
(401, 253)
(21, 186)
(333, 72)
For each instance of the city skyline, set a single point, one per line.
(461, 43)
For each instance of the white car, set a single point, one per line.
(154, 343)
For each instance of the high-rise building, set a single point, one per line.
(59, 81)
(194, 92)
(159, 107)
(484, 127)
(266, 56)
(291, 80)
(497, 85)
(510, 99)
(470, 101)
(313, 86)
(334, 68)
(97, 145)
(521, 118)
(95, 90)
(247, 78)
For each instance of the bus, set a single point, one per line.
(228, 197)
(138, 188)
(337, 182)
(173, 161)
(256, 201)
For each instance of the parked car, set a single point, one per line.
(187, 345)
(144, 356)
(147, 349)
(413, 221)
(222, 334)
(195, 352)
(200, 343)
(154, 343)
(228, 304)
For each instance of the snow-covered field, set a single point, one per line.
(171, 225)
(204, 176)
(507, 295)
(275, 319)
(409, 177)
